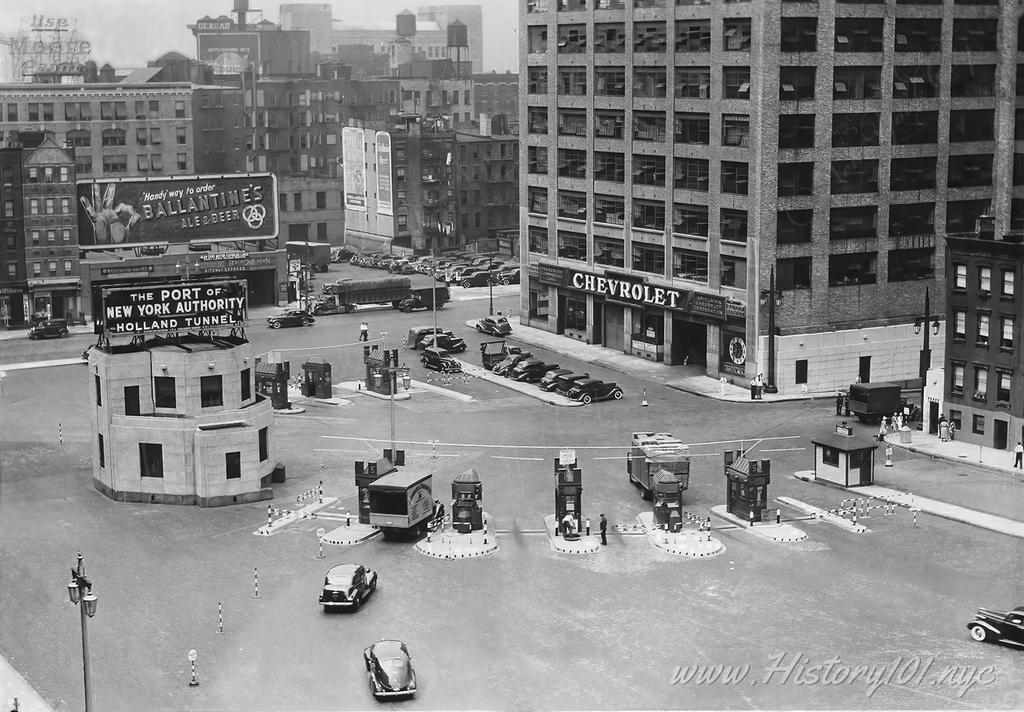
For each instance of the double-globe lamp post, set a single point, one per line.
(393, 372)
(80, 593)
(771, 298)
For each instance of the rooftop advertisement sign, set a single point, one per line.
(140, 211)
(173, 307)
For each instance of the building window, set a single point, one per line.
(972, 125)
(572, 82)
(648, 170)
(982, 334)
(649, 37)
(538, 237)
(211, 391)
(115, 164)
(649, 83)
(321, 200)
(572, 245)
(796, 83)
(735, 130)
(912, 174)
(1006, 333)
(1006, 289)
(537, 80)
(608, 252)
(736, 34)
(264, 444)
(911, 264)
(572, 122)
(960, 276)
(858, 34)
(793, 226)
(985, 279)
(179, 110)
(163, 392)
(969, 171)
(572, 39)
(733, 225)
(972, 80)
(857, 82)
(918, 34)
(649, 258)
(915, 81)
(113, 137)
(796, 131)
(693, 35)
(962, 215)
(799, 34)
(959, 326)
(980, 383)
(572, 204)
(1003, 385)
(151, 459)
(692, 128)
(572, 163)
(233, 465)
(649, 214)
(690, 264)
(609, 166)
(693, 82)
(609, 123)
(796, 179)
(974, 35)
(537, 39)
(734, 272)
(854, 130)
(537, 120)
(851, 268)
(860, 176)
(246, 384)
(690, 220)
(853, 223)
(537, 160)
(649, 126)
(735, 82)
(956, 378)
(978, 424)
(734, 177)
(537, 200)
(793, 273)
(610, 209)
(103, 451)
(610, 81)
(801, 372)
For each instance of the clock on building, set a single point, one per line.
(737, 350)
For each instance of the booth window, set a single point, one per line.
(103, 454)
(264, 444)
(246, 384)
(233, 465)
(163, 392)
(151, 459)
(211, 391)
(830, 456)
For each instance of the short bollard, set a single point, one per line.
(348, 519)
(255, 583)
(778, 516)
(750, 514)
(320, 540)
(192, 655)
(220, 617)
(588, 527)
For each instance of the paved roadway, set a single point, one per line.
(522, 629)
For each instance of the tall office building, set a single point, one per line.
(678, 153)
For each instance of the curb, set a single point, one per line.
(950, 458)
(797, 536)
(822, 515)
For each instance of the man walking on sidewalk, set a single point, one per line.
(604, 530)
(1018, 456)
(364, 331)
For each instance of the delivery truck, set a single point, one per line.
(401, 503)
(651, 454)
(423, 298)
(314, 254)
(870, 402)
(343, 296)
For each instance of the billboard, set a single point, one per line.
(181, 209)
(173, 307)
(229, 52)
(353, 157)
(385, 199)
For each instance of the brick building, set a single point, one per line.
(694, 148)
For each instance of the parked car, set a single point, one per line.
(508, 276)
(998, 626)
(531, 370)
(341, 254)
(51, 328)
(546, 382)
(589, 390)
(416, 333)
(494, 325)
(477, 279)
(505, 367)
(290, 317)
(347, 586)
(438, 360)
(564, 385)
(444, 340)
(389, 669)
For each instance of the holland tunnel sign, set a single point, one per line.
(177, 307)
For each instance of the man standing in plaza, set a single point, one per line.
(1018, 456)
(604, 529)
(839, 403)
(364, 331)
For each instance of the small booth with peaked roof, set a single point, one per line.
(843, 458)
(467, 507)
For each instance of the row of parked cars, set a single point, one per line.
(469, 269)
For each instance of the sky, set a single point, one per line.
(128, 33)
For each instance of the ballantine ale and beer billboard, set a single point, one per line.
(174, 307)
(139, 211)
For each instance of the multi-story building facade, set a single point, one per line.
(984, 369)
(39, 266)
(471, 16)
(117, 130)
(678, 154)
(488, 186)
(495, 94)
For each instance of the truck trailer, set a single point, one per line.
(424, 298)
(654, 453)
(401, 504)
(344, 295)
(314, 254)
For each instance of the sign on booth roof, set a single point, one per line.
(567, 456)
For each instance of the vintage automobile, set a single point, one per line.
(445, 340)
(347, 586)
(389, 669)
(549, 378)
(341, 254)
(290, 317)
(416, 334)
(509, 276)
(998, 626)
(505, 367)
(56, 328)
(589, 390)
(479, 278)
(531, 370)
(562, 384)
(439, 360)
(494, 325)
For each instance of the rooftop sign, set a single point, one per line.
(173, 307)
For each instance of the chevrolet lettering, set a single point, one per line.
(621, 289)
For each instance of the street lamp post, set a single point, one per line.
(80, 593)
(490, 286)
(772, 298)
(921, 324)
(393, 371)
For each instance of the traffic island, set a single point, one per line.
(531, 390)
(357, 387)
(685, 542)
(450, 544)
(824, 515)
(290, 410)
(348, 534)
(582, 545)
(779, 533)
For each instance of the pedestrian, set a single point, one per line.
(952, 430)
(1018, 456)
(883, 430)
(899, 422)
(604, 523)
(944, 435)
(846, 404)
(364, 331)
(839, 403)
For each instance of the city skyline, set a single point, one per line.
(131, 45)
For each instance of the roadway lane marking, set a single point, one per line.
(510, 457)
(784, 449)
(616, 457)
(545, 447)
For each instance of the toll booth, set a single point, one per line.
(316, 378)
(668, 501)
(467, 507)
(746, 485)
(843, 458)
(568, 494)
(272, 381)
(379, 361)
(367, 472)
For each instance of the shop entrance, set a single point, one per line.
(598, 322)
(999, 436)
(614, 325)
(689, 343)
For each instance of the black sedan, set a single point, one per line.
(494, 325)
(447, 341)
(998, 626)
(548, 378)
(389, 669)
(563, 383)
(505, 367)
(479, 278)
(531, 370)
(589, 390)
(291, 317)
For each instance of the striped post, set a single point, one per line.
(915, 518)
(60, 433)
(433, 449)
(320, 491)
(194, 682)
(255, 583)
(269, 512)
(348, 518)
(220, 617)
(321, 554)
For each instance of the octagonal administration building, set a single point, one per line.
(179, 421)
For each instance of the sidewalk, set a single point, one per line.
(690, 379)
(14, 686)
(969, 453)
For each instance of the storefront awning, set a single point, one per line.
(56, 282)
